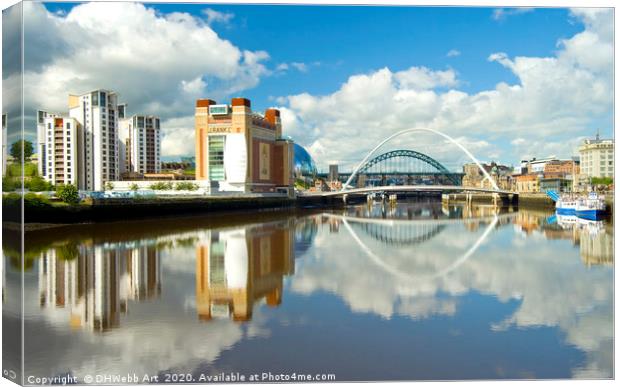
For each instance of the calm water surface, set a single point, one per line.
(412, 292)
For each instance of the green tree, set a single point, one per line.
(134, 187)
(68, 193)
(38, 184)
(602, 180)
(22, 146)
(108, 186)
(9, 184)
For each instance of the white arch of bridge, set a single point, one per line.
(405, 131)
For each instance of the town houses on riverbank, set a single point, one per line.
(593, 166)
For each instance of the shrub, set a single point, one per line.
(68, 193)
(134, 187)
(11, 199)
(108, 186)
(161, 186)
(186, 186)
(38, 184)
(34, 200)
(9, 184)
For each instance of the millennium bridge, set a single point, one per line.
(410, 166)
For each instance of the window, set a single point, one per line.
(68, 125)
(216, 157)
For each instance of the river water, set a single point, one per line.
(413, 291)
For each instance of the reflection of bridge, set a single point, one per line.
(387, 224)
(411, 234)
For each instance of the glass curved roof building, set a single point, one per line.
(304, 165)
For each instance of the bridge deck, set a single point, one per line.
(407, 188)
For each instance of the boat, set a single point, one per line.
(565, 205)
(592, 207)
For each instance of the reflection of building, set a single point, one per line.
(597, 157)
(58, 141)
(94, 283)
(140, 144)
(596, 245)
(236, 268)
(5, 148)
(141, 278)
(240, 149)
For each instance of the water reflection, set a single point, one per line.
(236, 268)
(94, 283)
(204, 295)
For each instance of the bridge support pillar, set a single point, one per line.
(344, 198)
(496, 200)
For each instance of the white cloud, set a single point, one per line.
(503, 13)
(178, 136)
(214, 16)
(555, 101)
(159, 63)
(453, 53)
(299, 66)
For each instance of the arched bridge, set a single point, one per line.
(408, 163)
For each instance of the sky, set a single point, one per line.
(507, 83)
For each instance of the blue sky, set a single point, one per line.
(348, 40)
(507, 83)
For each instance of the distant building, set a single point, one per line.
(242, 150)
(140, 144)
(597, 157)
(527, 183)
(58, 139)
(537, 166)
(5, 148)
(97, 113)
(303, 164)
(562, 167)
(333, 172)
(558, 184)
(501, 174)
(190, 161)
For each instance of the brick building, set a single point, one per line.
(242, 150)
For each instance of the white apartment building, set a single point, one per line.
(58, 139)
(5, 148)
(140, 144)
(97, 113)
(596, 157)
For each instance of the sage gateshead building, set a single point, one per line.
(240, 150)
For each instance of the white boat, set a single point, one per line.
(592, 207)
(565, 206)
